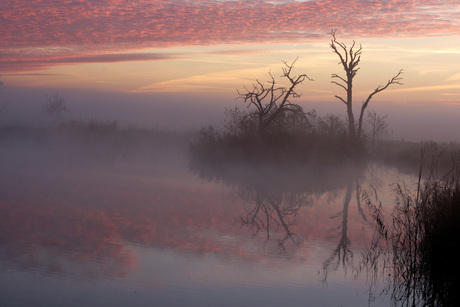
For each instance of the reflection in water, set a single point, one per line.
(38, 231)
(87, 218)
(342, 253)
(415, 248)
(413, 264)
(161, 235)
(275, 197)
(274, 212)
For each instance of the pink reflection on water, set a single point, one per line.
(91, 217)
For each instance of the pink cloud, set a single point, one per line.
(38, 61)
(115, 25)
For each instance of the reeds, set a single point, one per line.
(417, 247)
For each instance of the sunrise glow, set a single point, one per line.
(229, 152)
(214, 47)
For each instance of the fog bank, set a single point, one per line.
(175, 111)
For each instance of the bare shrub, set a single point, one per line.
(55, 107)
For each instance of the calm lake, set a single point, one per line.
(84, 228)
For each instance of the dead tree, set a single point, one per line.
(54, 106)
(377, 125)
(272, 101)
(350, 58)
(395, 80)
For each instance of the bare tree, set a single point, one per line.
(350, 58)
(377, 125)
(54, 106)
(395, 80)
(272, 102)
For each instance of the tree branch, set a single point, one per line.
(271, 101)
(395, 80)
(341, 85)
(343, 100)
(337, 76)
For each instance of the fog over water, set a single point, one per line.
(411, 122)
(107, 218)
(167, 153)
(98, 214)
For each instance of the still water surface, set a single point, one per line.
(154, 233)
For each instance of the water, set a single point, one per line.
(99, 232)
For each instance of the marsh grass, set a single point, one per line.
(405, 156)
(415, 247)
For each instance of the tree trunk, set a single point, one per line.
(351, 118)
(351, 122)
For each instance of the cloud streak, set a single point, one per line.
(117, 26)
(25, 63)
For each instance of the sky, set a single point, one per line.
(181, 62)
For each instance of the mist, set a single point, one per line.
(179, 111)
(154, 153)
(147, 110)
(127, 191)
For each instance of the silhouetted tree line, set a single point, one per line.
(288, 140)
(274, 128)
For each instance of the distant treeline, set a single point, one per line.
(95, 140)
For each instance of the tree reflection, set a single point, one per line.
(274, 212)
(342, 253)
(275, 195)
